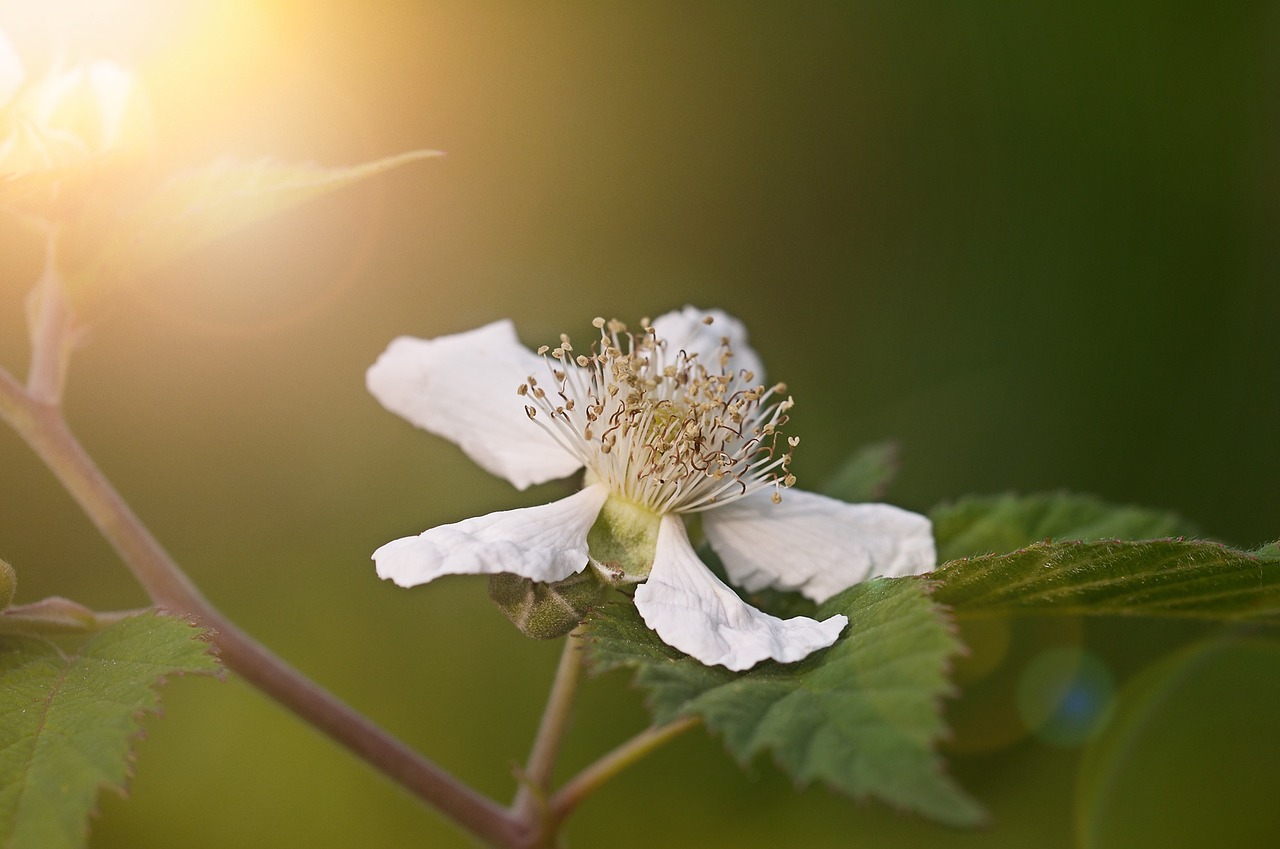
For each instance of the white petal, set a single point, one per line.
(815, 544)
(685, 330)
(545, 543)
(463, 387)
(692, 610)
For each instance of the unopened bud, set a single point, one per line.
(74, 117)
(544, 611)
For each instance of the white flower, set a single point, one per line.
(670, 422)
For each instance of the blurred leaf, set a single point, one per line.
(1198, 580)
(862, 716)
(70, 716)
(195, 206)
(1003, 523)
(8, 584)
(865, 474)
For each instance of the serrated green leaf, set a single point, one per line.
(127, 232)
(1177, 578)
(69, 716)
(865, 474)
(862, 717)
(1003, 523)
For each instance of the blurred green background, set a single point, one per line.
(1035, 244)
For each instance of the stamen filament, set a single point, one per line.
(673, 431)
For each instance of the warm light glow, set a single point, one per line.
(124, 30)
(188, 83)
(171, 46)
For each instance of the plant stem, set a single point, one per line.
(49, 323)
(536, 778)
(41, 425)
(591, 778)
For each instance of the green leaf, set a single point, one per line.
(862, 717)
(193, 207)
(70, 715)
(865, 474)
(1002, 523)
(1198, 580)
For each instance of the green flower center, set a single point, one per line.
(622, 541)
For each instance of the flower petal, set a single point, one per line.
(545, 543)
(693, 611)
(463, 387)
(815, 544)
(685, 330)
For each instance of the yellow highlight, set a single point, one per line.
(101, 100)
(126, 31)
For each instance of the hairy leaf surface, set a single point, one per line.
(862, 717)
(1199, 580)
(68, 717)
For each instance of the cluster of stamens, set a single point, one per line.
(662, 428)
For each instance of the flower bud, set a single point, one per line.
(70, 118)
(544, 611)
(100, 104)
